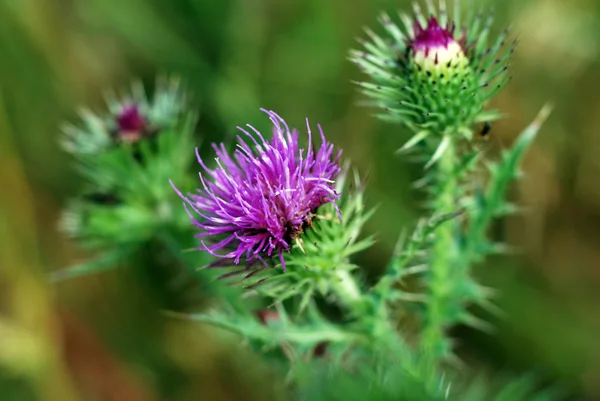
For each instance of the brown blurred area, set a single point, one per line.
(103, 338)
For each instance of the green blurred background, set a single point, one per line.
(102, 338)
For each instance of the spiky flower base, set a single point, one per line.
(432, 74)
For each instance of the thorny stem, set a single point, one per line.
(372, 317)
(443, 259)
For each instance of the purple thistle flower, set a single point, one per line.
(261, 199)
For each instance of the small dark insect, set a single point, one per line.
(485, 130)
(320, 349)
(482, 137)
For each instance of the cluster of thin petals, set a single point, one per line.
(258, 200)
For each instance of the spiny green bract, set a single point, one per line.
(432, 73)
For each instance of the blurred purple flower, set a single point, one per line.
(263, 198)
(130, 123)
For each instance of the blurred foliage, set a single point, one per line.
(104, 337)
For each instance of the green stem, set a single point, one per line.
(346, 288)
(443, 258)
(372, 318)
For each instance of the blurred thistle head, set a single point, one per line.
(434, 73)
(130, 118)
(131, 124)
(258, 201)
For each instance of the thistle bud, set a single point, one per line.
(128, 119)
(140, 134)
(434, 74)
(435, 49)
(131, 124)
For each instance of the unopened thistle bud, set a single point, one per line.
(435, 74)
(434, 48)
(129, 119)
(131, 124)
(137, 132)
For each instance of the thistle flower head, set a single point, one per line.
(261, 198)
(117, 141)
(434, 73)
(130, 123)
(129, 118)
